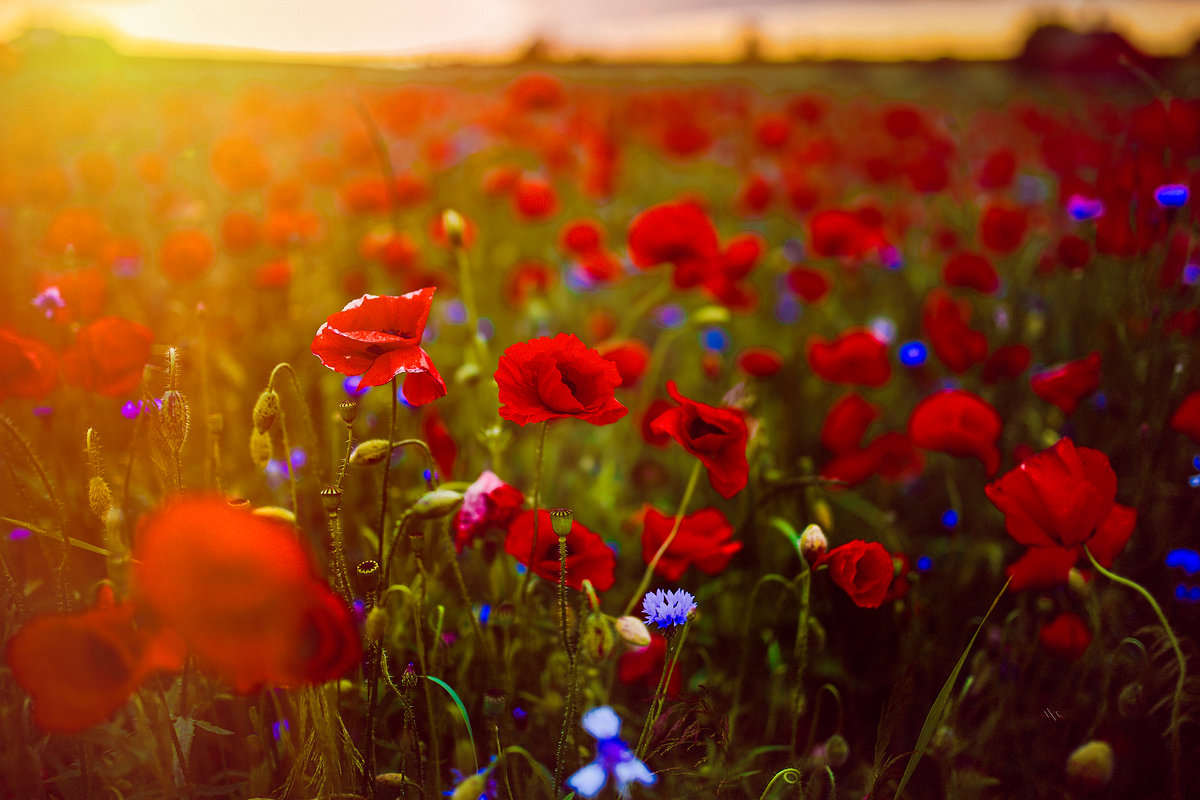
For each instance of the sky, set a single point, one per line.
(684, 28)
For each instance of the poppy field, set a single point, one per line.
(599, 431)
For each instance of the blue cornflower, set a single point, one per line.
(613, 757)
(668, 608)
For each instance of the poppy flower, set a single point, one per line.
(846, 422)
(243, 593)
(717, 436)
(809, 284)
(890, 455)
(643, 666)
(1067, 385)
(632, 357)
(653, 411)
(1056, 503)
(971, 271)
(534, 199)
(856, 356)
(998, 169)
(379, 338)
(525, 280)
(1066, 636)
(588, 557)
(864, 570)
(80, 668)
(959, 346)
(441, 443)
(680, 234)
(1073, 252)
(754, 196)
(581, 236)
(536, 91)
(1006, 362)
(185, 255)
(723, 280)
(108, 356)
(957, 422)
(1002, 228)
(759, 362)
(28, 367)
(557, 378)
(78, 231)
(838, 233)
(1186, 418)
(705, 538)
(487, 503)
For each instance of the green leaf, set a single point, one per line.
(208, 726)
(461, 710)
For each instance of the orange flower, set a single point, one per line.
(185, 255)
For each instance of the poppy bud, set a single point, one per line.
(348, 409)
(455, 226)
(99, 496)
(813, 543)
(176, 419)
(1090, 767)
(472, 787)
(275, 513)
(633, 631)
(1131, 702)
(561, 520)
(331, 497)
(596, 639)
(466, 374)
(390, 780)
(837, 750)
(370, 453)
(377, 624)
(266, 410)
(260, 449)
(436, 504)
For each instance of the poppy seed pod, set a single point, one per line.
(561, 520)
(276, 513)
(473, 786)
(176, 419)
(366, 576)
(370, 453)
(390, 780)
(266, 410)
(494, 703)
(348, 409)
(1090, 767)
(1131, 702)
(331, 498)
(436, 504)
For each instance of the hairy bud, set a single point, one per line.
(266, 410)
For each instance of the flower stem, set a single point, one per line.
(572, 664)
(1181, 662)
(660, 694)
(537, 485)
(649, 573)
(387, 468)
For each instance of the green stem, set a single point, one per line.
(387, 469)
(787, 775)
(537, 485)
(649, 573)
(1181, 662)
(565, 639)
(801, 649)
(660, 695)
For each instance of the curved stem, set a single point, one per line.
(787, 775)
(1181, 662)
(649, 573)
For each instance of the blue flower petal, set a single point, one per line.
(588, 781)
(602, 722)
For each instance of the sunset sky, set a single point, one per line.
(407, 28)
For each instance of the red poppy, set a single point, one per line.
(759, 362)
(772, 131)
(705, 538)
(243, 593)
(1073, 251)
(846, 422)
(838, 233)
(754, 196)
(717, 436)
(723, 281)
(959, 346)
(380, 338)
(998, 169)
(80, 668)
(274, 274)
(581, 236)
(28, 367)
(536, 91)
(1186, 418)
(1006, 362)
(1067, 385)
(856, 356)
(643, 666)
(653, 411)
(588, 557)
(1002, 228)
(680, 234)
(395, 252)
(441, 443)
(1056, 503)
(811, 285)
(535, 199)
(971, 271)
(437, 231)
(864, 570)
(632, 357)
(487, 503)
(557, 378)
(185, 255)
(890, 455)
(957, 422)
(108, 356)
(1066, 636)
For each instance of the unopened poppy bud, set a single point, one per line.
(1090, 767)
(454, 225)
(349, 411)
(494, 702)
(377, 624)
(260, 449)
(331, 498)
(276, 513)
(472, 787)
(1131, 702)
(1076, 581)
(370, 453)
(813, 543)
(837, 750)
(633, 631)
(436, 504)
(266, 410)
(823, 514)
(366, 576)
(561, 520)
(596, 639)
(176, 419)
(408, 680)
(390, 780)
(99, 496)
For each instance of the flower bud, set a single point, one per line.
(1090, 767)
(260, 449)
(633, 631)
(176, 419)
(561, 519)
(390, 780)
(275, 513)
(455, 227)
(596, 638)
(370, 453)
(471, 788)
(837, 750)
(377, 624)
(99, 496)
(436, 504)
(813, 543)
(266, 410)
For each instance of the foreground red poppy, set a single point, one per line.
(379, 338)
(716, 436)
(556, 378)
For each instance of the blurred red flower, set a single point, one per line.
(680, 234)
(487, 503)
(856, 356)
(1002, 228)
(705, 538)
(971, 271)
(380, 338)
(717, 436)
(653, 437)
(581, 236)
(846, 422)
(759, 362)
(108, 356)
(1186, 418)
(811, 285)
(631, 356)
(588, 557)
(864, 570)
(1006, 362)
(1066, 636)
(557, 378)
(534, 199)
(1056, 503)
(1067, 385)
(28, 367)
(185, 255)
(838, 233)
(998, 169)
(441, 443)
(957, 422)
(959, 346)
